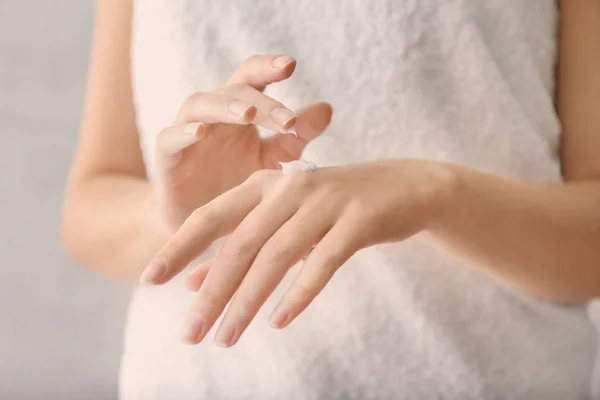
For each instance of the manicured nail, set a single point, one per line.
(239, 108)
(192, 129)
(192, 330)
(154, 271)
(283, 117)
(279, 317)
(281, 61)
(226, 333)
(291, 131)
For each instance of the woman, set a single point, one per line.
(463, 259)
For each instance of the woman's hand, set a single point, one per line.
(214, 144)
(275, 220)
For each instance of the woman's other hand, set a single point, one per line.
(214, 145)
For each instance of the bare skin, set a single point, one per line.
(546, 237)
(212, 146)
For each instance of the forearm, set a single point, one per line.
(543, 238)
(109, 225)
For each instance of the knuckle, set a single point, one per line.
(258, 176)
(234, 88)
(277, 258)
(276, 255)
(248, 304)
(203, 215)
(210, 297)
(358, 206)
(331, 193)
(194, 98)
(329, 263)
(298, 181)
(197, 215)
(244, 248)
(261, 177)
(239, 250)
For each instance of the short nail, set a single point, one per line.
(192, 330)
(279, 317)
(282, 116)
(192, 128)
(238, 108)
(226, 333)
(154, 271)
(282, 61)
(291, 131)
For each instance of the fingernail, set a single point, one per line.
(279, 317)
(283, 117)
(192, 129)
(192, 330)
(291, 131)
(226, 333)
(154, 271)
(282, 61)
(238, 108)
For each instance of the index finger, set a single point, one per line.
(261, 70)
(204, 226)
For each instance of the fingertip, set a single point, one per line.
(328, 111)
(189, 283)
(284, 62)
(250, 114)
(227, 333)
(155, 272)
(313, 120)
(279, 318)
(325, 111)
(192, 330)
(291, 131)
(194, 279)
(289, 68)
(201, 130)
(287, 126)
(242, 110)
(285, 65)
(194, 129)
(283, 117)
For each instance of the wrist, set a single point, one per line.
(445, 188)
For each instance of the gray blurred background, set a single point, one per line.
(60, 326)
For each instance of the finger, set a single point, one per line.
(283, 250)
(232, 262)
(261, 70)
(208, 223)
(312, 121)
(337, 246)
(170, 142)
(174, 139)
(194, 279)
(211, 108)
(270, 113)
